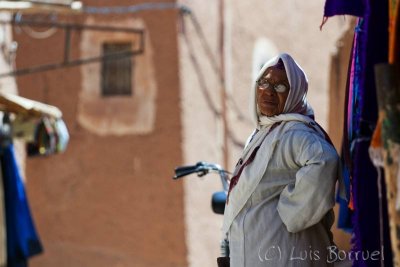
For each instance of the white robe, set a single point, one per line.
(284, 219)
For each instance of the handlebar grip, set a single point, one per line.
(184, 170)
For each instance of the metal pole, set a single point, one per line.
(74, 26)
(73, 63)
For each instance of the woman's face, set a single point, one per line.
(269, 101)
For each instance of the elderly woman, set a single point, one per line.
(279, 206)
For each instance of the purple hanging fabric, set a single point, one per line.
(345, 7)
(369, 48)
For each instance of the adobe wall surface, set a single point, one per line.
(337, 85)
(202, 131)
(109, 200)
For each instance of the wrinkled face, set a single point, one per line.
(272, 91)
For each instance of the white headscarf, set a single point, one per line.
(296, 106)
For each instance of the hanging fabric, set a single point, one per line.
(42, 128)
(345, 7)
(22, 239)
(370, 220)
(370, 46)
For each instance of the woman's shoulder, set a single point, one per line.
(300, 128)
(298, 132)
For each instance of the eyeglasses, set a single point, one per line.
(279, 87)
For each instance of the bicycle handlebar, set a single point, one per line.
(202, 168)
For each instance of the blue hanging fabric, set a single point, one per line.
(345, 213)
(22, 239)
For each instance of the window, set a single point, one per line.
(116, 78)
